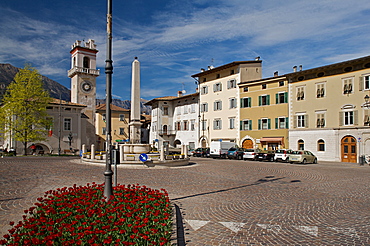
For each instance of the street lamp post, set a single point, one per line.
(108, 190)
(70, 137)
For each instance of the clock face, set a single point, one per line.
(86, 86)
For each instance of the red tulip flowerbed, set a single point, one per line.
(78, 215)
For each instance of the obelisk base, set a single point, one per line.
(135, 131)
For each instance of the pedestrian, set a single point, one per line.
(33, 148)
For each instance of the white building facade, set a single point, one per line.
(174, 121)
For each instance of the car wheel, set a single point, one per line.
(304, 162)
(240, 157)
(272, 159)
(315, 161)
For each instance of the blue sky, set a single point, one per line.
(174, 39)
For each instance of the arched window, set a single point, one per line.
(321, 145)
(86, 62)
(300, 144)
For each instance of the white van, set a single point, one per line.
(218, 149)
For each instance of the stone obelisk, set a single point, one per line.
(135, 124)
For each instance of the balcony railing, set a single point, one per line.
(90, 71)
(168, 132)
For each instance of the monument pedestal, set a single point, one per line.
(135, 132)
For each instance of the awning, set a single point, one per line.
(272, 139)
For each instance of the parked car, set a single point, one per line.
(282, 155)
(265, 155)
(219, 149)
(250, 154)
(235, 153)
(201, 152)
(191, 152)
(302, 156)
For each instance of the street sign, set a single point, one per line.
(143, 157)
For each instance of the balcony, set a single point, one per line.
(167, 133)
(89, 71)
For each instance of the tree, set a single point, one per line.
(23, 115)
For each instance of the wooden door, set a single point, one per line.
(349, 149)
(248, 144)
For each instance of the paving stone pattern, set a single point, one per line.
(221, 202)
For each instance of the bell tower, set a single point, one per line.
(83, 75)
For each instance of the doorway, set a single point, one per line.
(349, 149)
(248, 144)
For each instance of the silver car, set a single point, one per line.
(302, 156)
(250, 154)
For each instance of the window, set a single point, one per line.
(232, 123)
(232, 102)
(245, 102)
(264, 100)
(231, 84)
(185, 125)
(204, 107)
(217, 124)
(217, 105)
(67, 124)
(86, 62)
(264, 124)
(300, 93)
(264, 86)
(348, 117)
(281, 97)
(204, 125)
(232, 72)
(204, 90)
(321, 145)
(104, 131)
(366, 81)
(178, 111)
(281, 123)
(103, 115)
(217, 87)
(121, 131)
(186, 109)
(192, 108)
(245, 89)
(320, 120)
(320, 90)
(121, 117)
(246, 125)
(192, 125)
(301, 121)
(281, 83)
(300, 144)
(218, 76)
(366, 117)
(165, 110)
(347, 85)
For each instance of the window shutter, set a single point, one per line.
(355, 117)
(306, 120)
(241, 102)
(259, 124)
(276, 123)
(295, 121)
(302, 94)
(341, 118)
(322, 92)
(277, 98)
(268, 100)
(268, 123)
(214, 106)
(220, 105)
(361, 84)
(214, 87)
(220, 125)
(285, 97)
(259, 100)
(241, 125)
(250, 124)
(287, 123)
(206, 107)
(220, 86)
(249, 102)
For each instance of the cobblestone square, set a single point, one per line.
(221, 202)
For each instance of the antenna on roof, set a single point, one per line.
(183, 88)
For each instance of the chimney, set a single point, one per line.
(300, 67)
(257, 58)
(179, 93)
(295, 69)
(202, 70)
(276, 74)
(196, 90)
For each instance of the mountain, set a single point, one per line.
(127, 104)
(56, 90)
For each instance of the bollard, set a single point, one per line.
(121, 153)
(162, 153)
(92, 151)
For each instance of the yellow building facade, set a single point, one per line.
(120, 120)
(264, 121)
